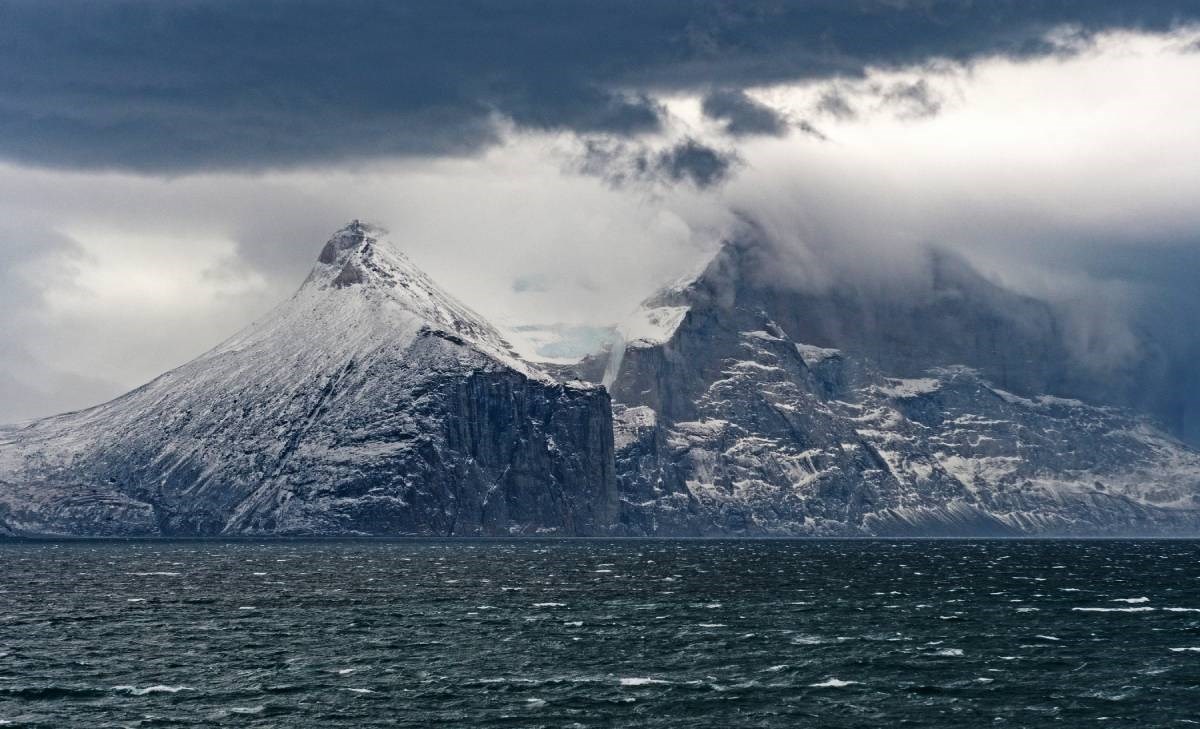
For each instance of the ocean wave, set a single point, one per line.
(833, 683)
(155, 689)
(641, 681)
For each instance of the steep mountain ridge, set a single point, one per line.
(728, 422)
(373, 402)
(370, 402)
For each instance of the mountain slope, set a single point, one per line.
(731, 420)
(371, 402)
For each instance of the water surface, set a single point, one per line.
(600, 634)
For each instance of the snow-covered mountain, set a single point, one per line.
(371, 402)
(749, 408)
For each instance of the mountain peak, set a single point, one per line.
(361, 266)
(342, 246)
(361, 253)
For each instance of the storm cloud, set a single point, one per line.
(621, 163)
(172, 87)
(742, 115)
(168, 170)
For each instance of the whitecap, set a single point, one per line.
(1131, 600)
(1047, 637)
(535, 703)
(641, 681)
(360, 690)
(1181, 610)
(808, 640)
(710, 625)
(949, 652)
(1114, 610)
(832, 683)
(153, 574)
(549, 604)
(155, 689)
(1185, 650)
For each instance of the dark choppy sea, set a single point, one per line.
(600, 634)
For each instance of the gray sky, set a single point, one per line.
(168, 171)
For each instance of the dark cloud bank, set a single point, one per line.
(742, 115)
(621, 163)
(178, 86)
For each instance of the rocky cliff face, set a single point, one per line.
(735, 414)
(372, 402)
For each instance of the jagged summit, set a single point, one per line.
(336, 265)
(938, 311)
(748, 403)
(363, 289)
(352, 236)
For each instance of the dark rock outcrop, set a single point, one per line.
(750, 409)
